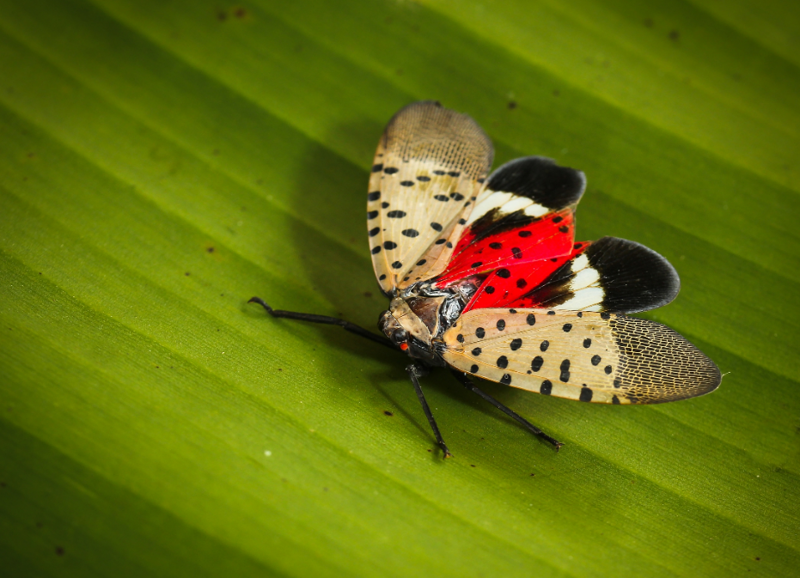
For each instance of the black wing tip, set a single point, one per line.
(540, 179)
(635, 277)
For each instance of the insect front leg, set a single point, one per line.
(415, 371)
(467, 382)
(313, 318)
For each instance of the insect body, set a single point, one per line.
(485, 277)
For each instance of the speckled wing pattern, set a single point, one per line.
(428, 170)
(594, 357)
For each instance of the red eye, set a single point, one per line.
(404, 346)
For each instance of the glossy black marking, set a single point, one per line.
(480, 332)
(522, 283)
(476, 352)
(396, 214)
(504, 273)
(384, 205)
(596, 359)
(615, 400)
(439, 173)
(423, 178)
(512, 311)
(506, 379)
(374, 196)
(377, 168)
(563, 229)
(524, 234)
(501, 324)
(517, 252)
(375, 231)
(371, 215)
(617, 382)
(545, 344)
(457, 196)
(586, 394)
(376, 249)
(382, 277)
(473, 369)
(502, 362)
(389, 245)
(410, 233)
(607, 369)
(496, 245)
(537, 363)
(449, 245)
(441, 241)
(587, 343)
(605, 315)
(421, 262)
(515, 344)
(454, 174)
(396, 265)
(564, 371)
(436, 227)
(531, 319)
(462, 221)
(476, 264)
(579, 314)
(546, 387)
(390, 170)
(489, 289)
(567, 327)
(407, 183)
(460, 338)
(442, 198)
(557, 220)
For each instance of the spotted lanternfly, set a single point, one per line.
(485, 277)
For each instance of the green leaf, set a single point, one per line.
(164, 161)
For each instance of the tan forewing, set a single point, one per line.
(427, 172)
(602, 358)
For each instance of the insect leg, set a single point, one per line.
(351, 327)
(466, 382)
(414, 373)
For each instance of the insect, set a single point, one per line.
(485, 277)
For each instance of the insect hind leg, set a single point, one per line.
(467, 382)
(313, 318)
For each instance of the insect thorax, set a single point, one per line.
(420, 314)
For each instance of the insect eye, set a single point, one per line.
(400, 337)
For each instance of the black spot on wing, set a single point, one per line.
(541, 180)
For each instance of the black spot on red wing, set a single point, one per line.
(396, 265)
(371, 215)
(410, 233)
(506, 379)
(390, 170)
(596, 359)
(476, 265)
(557, 220)
(545, 344)
(587, 343)
(376, 249)
(480, 332)
(457, 196)
(374, 196)
(546, 387)
(515, 344)
(377, 168)
(476, 352)
(374, 231)
(586, 394)
(489, 289)
(563, 229)
(441, 198)
(436, 227)
(577, 246)
(567, 327)
(502, 362)
(473, 369)
(531, 319)
(496, 245)
(421, 262)
(389, 245)
(396, 214)
(521, 283)
(501, 324)
(504, 273)
(517, 252)
(524, 234)
(607, 369)
(537, 363)
(407, 183)
(564, 371)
